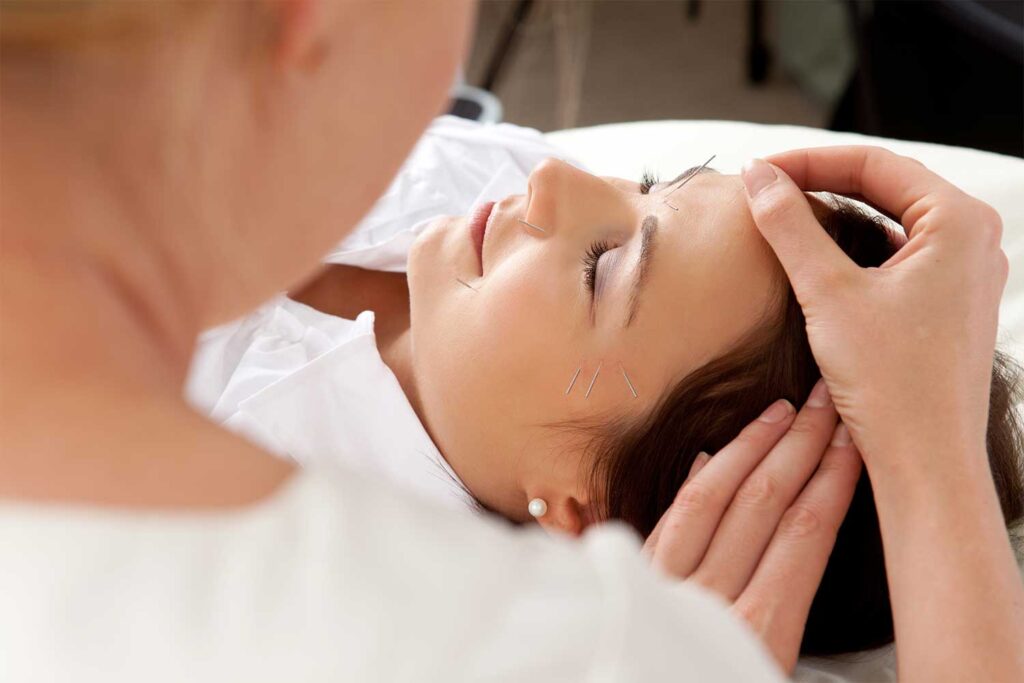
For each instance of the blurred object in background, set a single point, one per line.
(475, 104)
(572, 23)
(814, 46)
(948, 71)
(565, 63)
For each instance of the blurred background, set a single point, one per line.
(946, 71)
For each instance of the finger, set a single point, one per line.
(690, 522)
(783, 587)
(892, 182)
(786, 221)
(652, 540)
(760, 502)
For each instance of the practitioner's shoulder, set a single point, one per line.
(338, 574)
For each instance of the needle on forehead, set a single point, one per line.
(687, 179)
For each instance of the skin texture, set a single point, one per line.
(490, 367)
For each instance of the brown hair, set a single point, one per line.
(640, 467)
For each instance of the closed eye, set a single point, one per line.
(590, 261)
(647, 181)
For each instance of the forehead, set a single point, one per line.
(713, 280)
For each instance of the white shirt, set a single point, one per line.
(340, 578)
(312, 387)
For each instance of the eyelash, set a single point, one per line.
(590, 259)
(647, 181)
(594, 252)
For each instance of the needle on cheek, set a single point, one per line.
(531, 225)
(593, 379)
(573, 380)
(630, 384)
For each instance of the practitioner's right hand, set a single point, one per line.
(756, 523)
(906, 348)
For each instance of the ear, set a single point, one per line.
(301, 39)
(568, 516)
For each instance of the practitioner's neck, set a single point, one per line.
(96, 333)
(83, 279)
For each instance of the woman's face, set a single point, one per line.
(618, 280)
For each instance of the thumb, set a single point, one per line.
(780, 210)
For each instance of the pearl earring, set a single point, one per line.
(538, 507)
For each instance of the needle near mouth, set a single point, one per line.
(466, 284)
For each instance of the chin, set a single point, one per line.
(424, 255)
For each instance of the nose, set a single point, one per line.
(563, 198)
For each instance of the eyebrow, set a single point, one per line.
(648, 231)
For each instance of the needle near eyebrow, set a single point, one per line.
(688, 179)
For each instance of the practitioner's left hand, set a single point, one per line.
(756, 523)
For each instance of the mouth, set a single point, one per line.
(478, 223)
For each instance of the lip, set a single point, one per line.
(478, 223)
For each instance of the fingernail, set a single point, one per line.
(819, 397)
(757, 175)
(841, 437)
(777, 411)
(698, 463)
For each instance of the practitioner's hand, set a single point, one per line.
(907, 348)
(756, 523)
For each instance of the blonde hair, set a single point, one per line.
(33, 26)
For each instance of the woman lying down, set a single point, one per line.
(562, 355)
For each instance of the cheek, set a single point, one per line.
(490, 363)
(494, 334)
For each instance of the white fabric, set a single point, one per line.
(312, 387)
(342, 579)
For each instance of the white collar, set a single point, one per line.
(342, 406)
